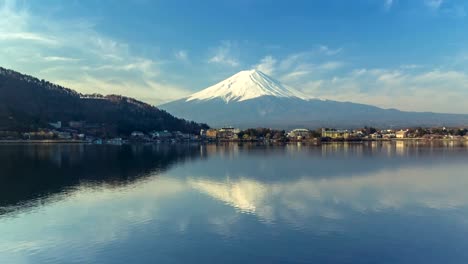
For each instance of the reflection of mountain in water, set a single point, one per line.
(39, 171)
(285, 163)
(31, 174)
(300, 200)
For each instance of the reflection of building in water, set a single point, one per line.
(57, 153)
(292, 148)
(400, 147)
(137, 149)
(389, 148)
(358, 150)
(211, 149)
(342, 149)
(202, 150)
(224, 150)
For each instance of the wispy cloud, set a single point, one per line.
(267, 65)
(144, 66)
(28, 36)
(410, 66)
(94, 62)
(146, 90)
(223, 55)
(181, 55)
(454, 8)
(331, 65)
(58, 58)
(328, 51)
(434, 4)
(294, 75)
(388, 4)
(14, 25)
(296, 66)
(406, 89)
(76, 54)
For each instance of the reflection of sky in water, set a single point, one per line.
(359, 204)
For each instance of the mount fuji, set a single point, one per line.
(253, 99)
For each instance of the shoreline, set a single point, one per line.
(19, 141)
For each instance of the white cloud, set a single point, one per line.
(405, 89)
(295, 75)
(223, 55)
(434, 4)
(295, 202)
(331, 65)
(93, 62)
(388, 4)
(14, 25)
(309, 197)
(58, 58)
(26, 36)
(141, 65)
(410, 66)
(330, 52)
(292, 60)
(411, 87)
(301, 65)
(181, 55)
(149, 91)
(454, 9)
(266, 65)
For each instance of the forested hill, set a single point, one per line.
(27, 103)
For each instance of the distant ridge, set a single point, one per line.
(27, 103)
(253, 99)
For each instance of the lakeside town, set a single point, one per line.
(82, 132)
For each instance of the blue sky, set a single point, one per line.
(410, 55)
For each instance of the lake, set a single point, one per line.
(393, 202)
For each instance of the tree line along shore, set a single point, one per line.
(74, 133)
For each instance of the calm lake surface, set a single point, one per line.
(337, 203)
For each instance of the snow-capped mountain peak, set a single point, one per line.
(252, 99)
(246, 85)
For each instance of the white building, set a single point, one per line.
(402, 134)
(299, 133)
(137, 134)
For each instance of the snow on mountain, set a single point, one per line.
(246, 85)
(253, 99)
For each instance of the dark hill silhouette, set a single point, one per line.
(27, 103)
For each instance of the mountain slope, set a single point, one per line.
(253, 99)
(28, 103)
(246, 85)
